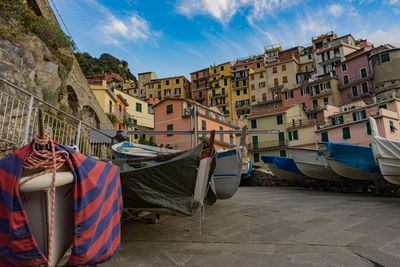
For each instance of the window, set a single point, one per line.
(326, 101)
(282, 153)
(244, 82)
(264, 97)
(284, 79)
(354, 90)
(138, 107)
(252, 87)
(274, 70)
(283, 67)
(261, 84)
(253, 98)
(368, 126)
(309, 56)
(359, 115)
(289, 94)
(252, 77)
(120, 108)
(345, 79)
(337, 120)
(200, 94)
(385, 58)
(324, 137)
(383, 106)
(253, 124)
(392, 128)
(167, 92)
(225, 82)
(279, 119)
(344, 67)
(238, 92)
(315, 103)
(256, 157)
(364, 88)
(261, 75)
(170, 127)
(177, 91)
(258, 65)
(170, 109)
(110, 107)
(245, 91)
(177, 81)
(223, 91)
(237, 84)
(167, 82)
(276, 81)
(346, 133)
(295, 135)
(222, 68)
(317, 91)
(213, 92)
(363, 72)
(203, 125)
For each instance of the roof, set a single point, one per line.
(123, 100)
(153, 101)
(270, 111)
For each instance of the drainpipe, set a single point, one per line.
(195, 125)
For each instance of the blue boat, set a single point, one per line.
(351, 161)
(284, 168)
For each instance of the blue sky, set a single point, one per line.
(176, 37)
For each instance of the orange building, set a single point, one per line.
(178, 114)
(120, 113)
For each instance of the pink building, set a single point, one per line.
(175, 114)
(355, 76)
(351, 124)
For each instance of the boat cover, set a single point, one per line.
(360, 157)
(164, 185)
(385, 148)
(283, 163)
(97, 212)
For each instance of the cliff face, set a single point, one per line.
(51, 74)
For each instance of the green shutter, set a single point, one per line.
(354, 116)
(169, 109)
(279, 119)
(368, 128)
(253, 124)
(256, 157)
(295, 135)
(363, 114)
(170, 127)
(290, 136)
(346, 133)
(325, 137)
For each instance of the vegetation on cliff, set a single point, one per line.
(106, 63)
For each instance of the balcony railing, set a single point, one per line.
(322, 93)
(368, 77)
(301, 123)
(223, 103)
(266, 145)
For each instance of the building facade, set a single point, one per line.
(200, 86)
(144, 78)
(178, 87)
(219, 94)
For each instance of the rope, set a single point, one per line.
(50, 161)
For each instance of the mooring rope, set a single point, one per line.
(49, 161)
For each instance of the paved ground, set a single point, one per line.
(270, 226)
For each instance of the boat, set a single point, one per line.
(284, 168)
(312, 163)
(387, 154)
(37, 203)
(176, 184)
(231, 164)
(128, 150)
(351, 161)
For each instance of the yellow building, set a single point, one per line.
(219, 93)
(144, 78)
(273, 119)
(104, 96)
(258, 86)
(153, 89)
(178, 87)
(324, 91)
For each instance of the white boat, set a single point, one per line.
(127, 150)
(312, 163)
(284, 168)
(230, 165)
(37, 204)
(387, 155)
(351, 161)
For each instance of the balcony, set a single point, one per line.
(303, 123)
(242, 106)
(201, 78)
(199, 98)
(316, 108)
(266, 145)
(276, 86)
(223, 104)
(322, 93)
(360, 96)
(265, 101)
(342, 86)
(218, 96)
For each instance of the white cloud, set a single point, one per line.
(224, 10)
(390, 36)
(336, 10)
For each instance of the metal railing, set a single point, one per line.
(266, 145)
(19, 123)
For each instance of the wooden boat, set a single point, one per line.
(174, 184)
(37, 202)
(312, 163)
(387, 154)
(284, 168)
(128, 150)
(351, 161)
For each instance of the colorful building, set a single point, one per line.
(106, 99)
(200, 86)
(274, 119)
(153, 89)
(144, 78)
(219, 93)
(179, 114)
(178, 87)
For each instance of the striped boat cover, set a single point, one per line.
(97, 212)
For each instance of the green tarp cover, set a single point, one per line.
(163, 185)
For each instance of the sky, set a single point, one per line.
(177, 37)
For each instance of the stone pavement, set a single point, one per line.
(270, 226)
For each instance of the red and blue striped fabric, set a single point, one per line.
(97, 212)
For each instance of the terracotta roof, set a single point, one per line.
(270, 111)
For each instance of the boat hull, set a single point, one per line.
(390, 169)
(285, 175)
(128, 150)
(313, 165)
(227, 173)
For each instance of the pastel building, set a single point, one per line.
(258, 85)
(153, 89)
(219, 93)
(178, 87)
(355, 76)
(178, 114)
(273, 119)
(350, 123)
(144, 78)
